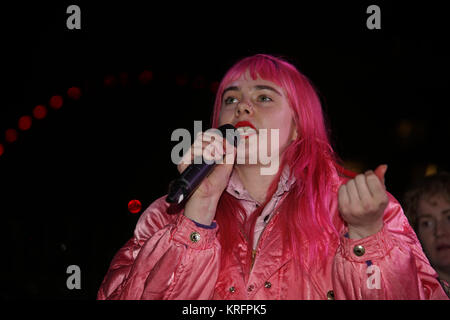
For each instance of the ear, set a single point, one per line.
(294, 131)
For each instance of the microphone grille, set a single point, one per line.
(229, 132)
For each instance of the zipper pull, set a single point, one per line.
(253, 257)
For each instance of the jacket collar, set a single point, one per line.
(236, 188)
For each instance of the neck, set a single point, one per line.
(254, 182)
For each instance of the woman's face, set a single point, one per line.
(263, 105)
(434, 229)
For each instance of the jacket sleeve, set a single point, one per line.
(387, 265)
(169, 257)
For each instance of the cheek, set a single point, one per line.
(284, 137)
(287, 133)
(285, 129)
(427, 240)
(225, 116)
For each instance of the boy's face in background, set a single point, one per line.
(433, 216)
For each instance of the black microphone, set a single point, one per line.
(182, 188)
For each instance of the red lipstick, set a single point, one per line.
(244, 124)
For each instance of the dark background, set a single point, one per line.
(66, 182)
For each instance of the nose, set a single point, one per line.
(441, 229)
(243, 108)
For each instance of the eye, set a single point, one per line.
(448, 217)
(264, 98)
(426, 223)
(230, 100)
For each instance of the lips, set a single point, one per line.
(245, 129)
(244, 124)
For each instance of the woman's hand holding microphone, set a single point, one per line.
(212, 146)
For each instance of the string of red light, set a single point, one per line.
(56, 102)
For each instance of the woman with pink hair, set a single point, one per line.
(309, 230)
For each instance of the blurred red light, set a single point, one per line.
(56, 102)
(145, 77)
(134, 206)
(2, 149)
(11, 135)
(39, 112)
(74, 93)
(25, 122)
(109, 81)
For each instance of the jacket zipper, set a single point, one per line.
(254, 252)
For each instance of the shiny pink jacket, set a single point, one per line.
(172, 257)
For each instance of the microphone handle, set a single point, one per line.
(182, 188)
(188, 181)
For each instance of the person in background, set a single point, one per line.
(427, 206)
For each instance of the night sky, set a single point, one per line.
(65, 183)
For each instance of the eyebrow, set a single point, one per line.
(258, 87)
(424, 215)
(420, 215)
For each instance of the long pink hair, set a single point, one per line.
(307, 222)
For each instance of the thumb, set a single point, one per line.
(380, 171)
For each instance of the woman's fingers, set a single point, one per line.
(352, 192)
(343, 198)
(209, 146)
(362, 201)
(380, 171)
(359, 197)
(365, 195)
